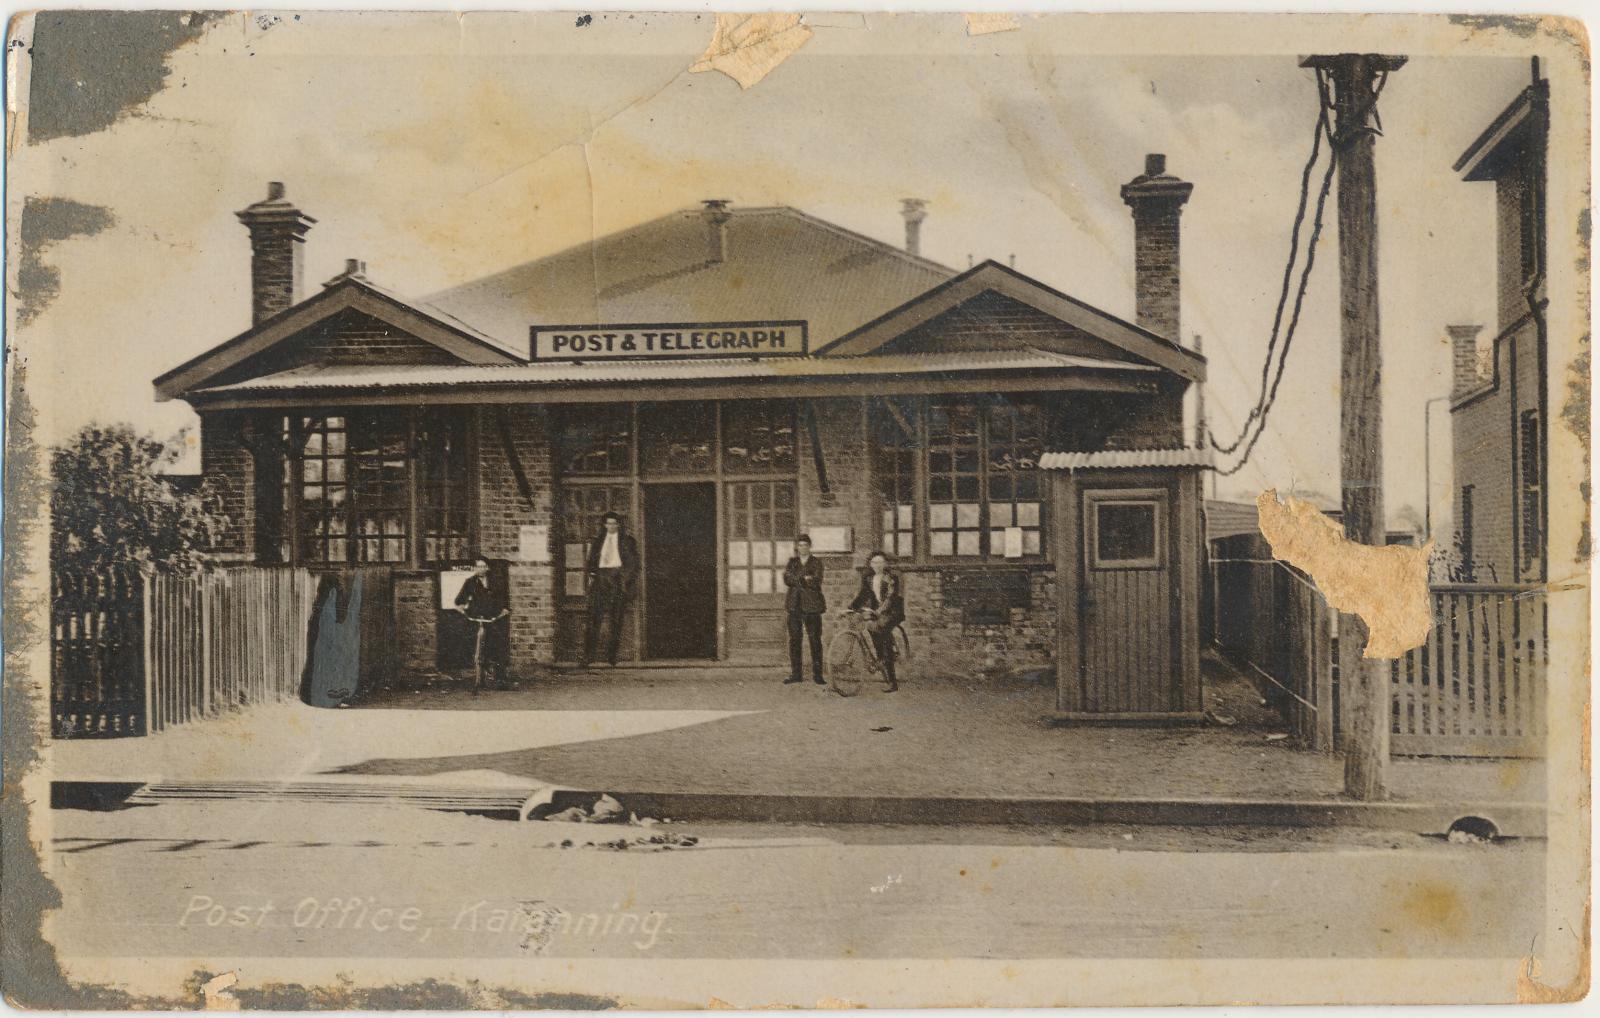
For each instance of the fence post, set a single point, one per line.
(149, 668)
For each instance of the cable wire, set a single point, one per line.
(1288, 274)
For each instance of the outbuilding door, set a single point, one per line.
(1126, 602)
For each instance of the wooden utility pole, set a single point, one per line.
(1357, 78)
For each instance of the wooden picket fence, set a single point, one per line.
(135, 652)
(1477, 686)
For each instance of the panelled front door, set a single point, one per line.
(1126, 602)
(680, 571)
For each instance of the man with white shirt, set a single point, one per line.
(612, 568)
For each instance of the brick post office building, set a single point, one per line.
(725, 379)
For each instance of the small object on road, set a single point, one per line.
(884, 728)
(1225, 720)
(1127, 837)
(1277, 736)
(606, 809)
(572, 814)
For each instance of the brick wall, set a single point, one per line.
(416, 616)
(349, 337)
(1483, 430)
(227, 463)
(1509, 189)
(275, 267)
(1156, 270)
(502, 511)
(944, 644)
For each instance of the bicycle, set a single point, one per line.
(851, 656)
(477, 649)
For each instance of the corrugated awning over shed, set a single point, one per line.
(1125, 459)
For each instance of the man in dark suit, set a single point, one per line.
(484, 604)
(881, 599)
(805, 603)
(612, 568)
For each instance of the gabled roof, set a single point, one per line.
(992, 276)
(1505, 135)
(349, 292)
(780, 264)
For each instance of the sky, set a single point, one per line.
(439, 149)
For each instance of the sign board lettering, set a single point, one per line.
(669, 341)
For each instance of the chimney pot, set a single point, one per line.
(1157, 201)
(277, 230)
(716, 214)
(914, 211)
(354, 267)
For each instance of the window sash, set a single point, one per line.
(389, 486)
(979, 476)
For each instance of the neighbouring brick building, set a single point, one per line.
(1498, 399)
(725, 379)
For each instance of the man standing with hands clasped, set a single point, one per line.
(803, 577)
(612, 568)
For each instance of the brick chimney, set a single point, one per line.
(277, 229)
(716, 215)
(914, 210)
(1157, 200)
(1464, 358)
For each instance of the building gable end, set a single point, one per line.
(346, 324)
(1078, 322)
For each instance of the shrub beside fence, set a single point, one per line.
(135, 652)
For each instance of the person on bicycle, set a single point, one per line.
(485, 606)
(805, 605)
(881, 601)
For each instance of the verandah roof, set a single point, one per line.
(1015, 370)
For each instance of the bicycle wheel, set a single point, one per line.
(846, 669)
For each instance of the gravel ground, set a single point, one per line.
(933, 738)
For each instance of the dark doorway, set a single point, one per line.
(680, 572)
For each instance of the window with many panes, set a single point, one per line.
(761, 531)
(985, 497)
(677, 438)
(596, 439)
(955, 480)
(583, 509)
(894, 460)
(323, 506)
(380, 496)
(1530, 491)
(349, 482)
(1012, 485)
(444, 476)
(758, 436)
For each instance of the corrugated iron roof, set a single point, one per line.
(1125, 458)
(1229, 519)
(781, 264)
(432, 376)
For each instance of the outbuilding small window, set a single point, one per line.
(1126, 533)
